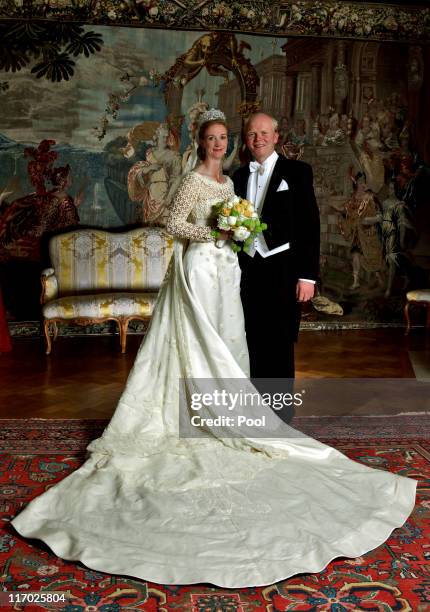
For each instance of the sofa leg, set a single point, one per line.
(47, 336)
(123, 326)
(55, 326)
(408, 320)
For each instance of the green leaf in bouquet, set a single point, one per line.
(236, 247)
(217, 208)
(234, 213)
(215, 233)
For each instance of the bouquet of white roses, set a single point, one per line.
(238, 216)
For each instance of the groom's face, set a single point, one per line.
(261, 137)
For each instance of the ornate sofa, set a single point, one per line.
(420, 297)
(98, 276)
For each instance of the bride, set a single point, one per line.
(231, 510)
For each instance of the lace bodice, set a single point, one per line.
(190, 215)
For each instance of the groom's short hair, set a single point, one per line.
(253, 115)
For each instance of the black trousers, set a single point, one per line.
(272, 313)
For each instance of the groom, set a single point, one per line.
(281, 269)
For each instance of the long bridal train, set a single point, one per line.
(234, 512)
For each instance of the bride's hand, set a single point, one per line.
(225, 235)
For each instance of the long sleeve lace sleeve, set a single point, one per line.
(184, 200)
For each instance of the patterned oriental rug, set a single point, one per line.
(37, 453)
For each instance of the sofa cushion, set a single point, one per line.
(101, 305)
(90, 261)
(418, 295)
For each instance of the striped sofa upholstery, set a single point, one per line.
(98, 276)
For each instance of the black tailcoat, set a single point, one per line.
(272, 313)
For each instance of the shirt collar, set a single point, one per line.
(270, 161)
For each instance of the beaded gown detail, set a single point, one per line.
(225, 510)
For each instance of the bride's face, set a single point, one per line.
(215, 141)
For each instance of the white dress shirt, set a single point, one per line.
(258, 183)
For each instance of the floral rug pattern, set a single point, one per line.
(37, 453)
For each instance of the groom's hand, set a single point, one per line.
(304, 291)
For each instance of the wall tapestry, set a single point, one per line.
(98, 125)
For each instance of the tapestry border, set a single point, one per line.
(287, 18)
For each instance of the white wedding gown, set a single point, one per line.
(231, 511)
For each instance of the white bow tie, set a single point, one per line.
(256, 167)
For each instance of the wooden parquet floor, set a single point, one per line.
(84, 376)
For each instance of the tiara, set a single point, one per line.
(211, 115)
